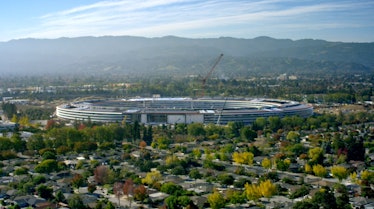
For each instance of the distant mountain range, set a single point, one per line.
(175, 56)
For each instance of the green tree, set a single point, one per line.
(274, 123)
(171, 202)
(19, 145)
(248, 134)
(136, 130)
(76, 202)
(9, 109)
(184, 201)
(283, 165)
(233, 129)
(259, 124)
(5, 144)
(293, 136)
(235, 197)
(78, 181)
(226, 179)
(195, 129)
(59, 197)
(46, 166)
(342, 199)
(39, 179)
(35, 142)
(172, 189)
(28, 188)
(300, 192)
(109, 205)
(195, 174)
(305, 204)
(21, 171)
(45, 191)
(325, 199)
(49, 155)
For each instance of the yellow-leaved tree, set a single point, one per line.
(315, 155)
(152, 177)
(263, 189)
(252, 192)
(243, 157)
(308, 168)
(353, 177)
(367, 177)
(216, 200)
(171, 159)
(319, 170)
(14, 118)
(24, 121)
(266, 163)
(339, 172)
(267, 189)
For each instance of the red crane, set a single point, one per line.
(208, 75)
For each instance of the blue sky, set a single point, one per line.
(332, 20)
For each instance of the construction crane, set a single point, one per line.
(220, 113)
(203, 81)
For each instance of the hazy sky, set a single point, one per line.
(333, 20)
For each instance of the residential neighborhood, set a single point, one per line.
(274, 163)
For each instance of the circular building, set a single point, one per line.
(180, 110)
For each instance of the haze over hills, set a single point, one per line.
(174, 56)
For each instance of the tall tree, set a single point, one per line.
(128, 190)
(136, 131)
(101, 174)
(9, 109)
(118, 191)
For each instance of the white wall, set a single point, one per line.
(172, 119)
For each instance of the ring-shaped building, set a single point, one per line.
(181, 110)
